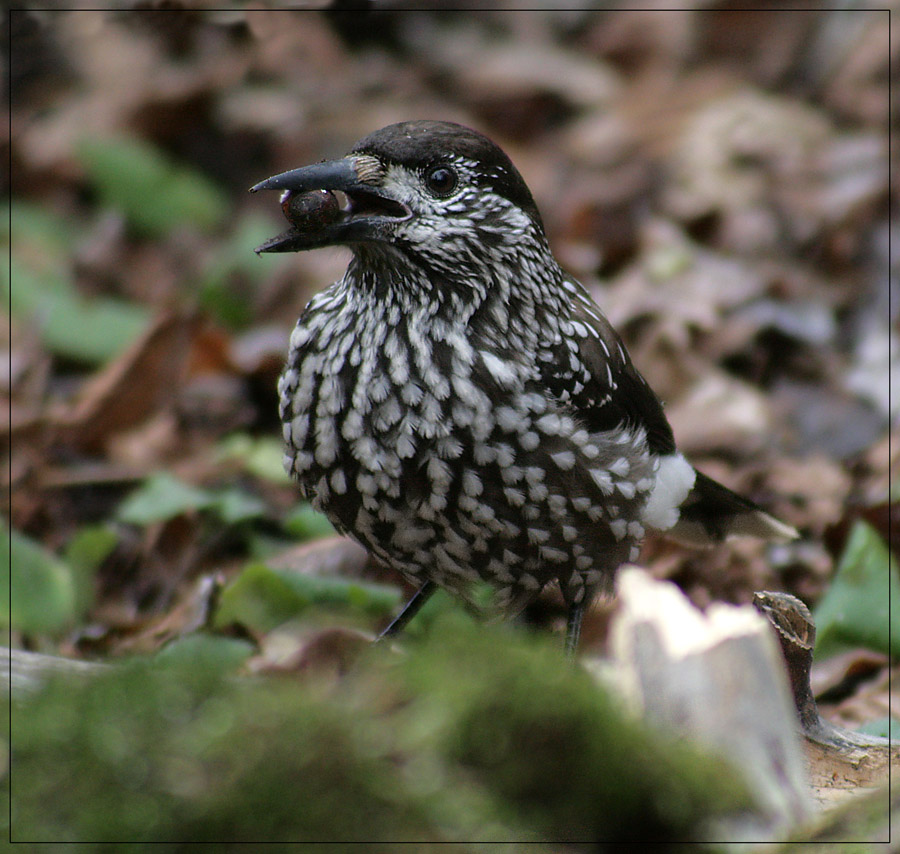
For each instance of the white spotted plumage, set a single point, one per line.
(456, 402)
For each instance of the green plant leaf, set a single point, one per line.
(91, 546)
(304, 523)
(40, 584)
(334, 591)
(232, 273)
(235, 505)
(162, 497)
(260, 456)
(155, 194)
(862, 606)
(885, 727)
(217, 651)
(84, 554)
(86, 330)
(40, 290)
(41, 233)
(262, 598)
(259, 599)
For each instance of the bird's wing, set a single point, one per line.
(600, 380)
(614, 393)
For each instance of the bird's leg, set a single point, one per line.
(420, 597)
(573, 628)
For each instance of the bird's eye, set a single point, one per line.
(440, 180)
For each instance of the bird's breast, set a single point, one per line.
(449, 457)
(368, 400)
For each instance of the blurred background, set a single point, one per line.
(718, 177)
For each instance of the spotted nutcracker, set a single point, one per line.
(456, 402)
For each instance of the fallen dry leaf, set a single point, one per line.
(143, 380)
(328, 653)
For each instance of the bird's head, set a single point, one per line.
(440, 195)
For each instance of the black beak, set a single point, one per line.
(331, 175)
(316, 217)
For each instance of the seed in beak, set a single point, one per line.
(308, 211)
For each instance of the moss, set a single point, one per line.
(555, 752)
(478, 733)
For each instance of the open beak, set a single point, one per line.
(316, 215)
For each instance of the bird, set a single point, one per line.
(460, 405)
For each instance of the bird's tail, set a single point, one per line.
(712, 513)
